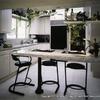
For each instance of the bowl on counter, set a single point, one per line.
(7, 46)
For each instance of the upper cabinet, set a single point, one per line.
(40, 26)
(44, 25)
(5, 20)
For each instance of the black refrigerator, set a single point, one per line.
(58, 37)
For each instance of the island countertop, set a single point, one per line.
(58, 55)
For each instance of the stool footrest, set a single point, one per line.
(50, 82)
(76, 87)
(18, 84)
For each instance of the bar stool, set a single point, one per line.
(76, 66)
(51, 63)
(21, 64)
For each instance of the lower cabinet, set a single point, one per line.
(7, 64)
(4, 64)
(12, 67)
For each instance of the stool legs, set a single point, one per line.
(65, 80)
(57, 79)
(13, 86)
(86, 94)
(27, 75)
(78, 87)
(50, 82)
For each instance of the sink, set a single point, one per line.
(74, 52)
(20, 45)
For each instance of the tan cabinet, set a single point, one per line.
(4, 64)
(7, 64)
(12, 67)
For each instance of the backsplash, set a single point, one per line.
(13, 42)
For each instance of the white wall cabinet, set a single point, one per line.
(5, 20)
(44, 25)
(34, 26)
(40, 26)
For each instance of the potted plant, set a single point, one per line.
(94, 47)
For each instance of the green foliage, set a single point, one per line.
(31, 14)
(77, 36)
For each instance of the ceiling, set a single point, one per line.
(46, 4)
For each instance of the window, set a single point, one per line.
(59, 15)
(19, 29)
(75, 10)
(12, 35)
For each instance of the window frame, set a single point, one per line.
(18, 19)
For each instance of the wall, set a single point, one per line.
(57, 23)
(95, 33)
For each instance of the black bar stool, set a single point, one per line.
(21, 64)
(51, 63)
(76, 66)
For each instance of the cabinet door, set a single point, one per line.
(47, 25)
(41, 26)
(4, 65)
(12, 67)
(44, 25)
(5, 20)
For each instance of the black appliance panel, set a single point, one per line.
(58, 37)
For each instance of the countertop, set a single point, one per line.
(17, 46)
(59, 56)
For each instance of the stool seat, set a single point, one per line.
(23, 63)
(75, 66)
(49, 63)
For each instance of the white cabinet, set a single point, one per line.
(40, 26)
(5, 20)
(44, 25)
(34, 26)
(12, 67)
(4, 64)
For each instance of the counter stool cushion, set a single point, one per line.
(75, 66)
(23, 63)
(48, 63)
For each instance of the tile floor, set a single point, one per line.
(93, 86)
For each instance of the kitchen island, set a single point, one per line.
(57, 55)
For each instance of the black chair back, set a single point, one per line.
(14, 57)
